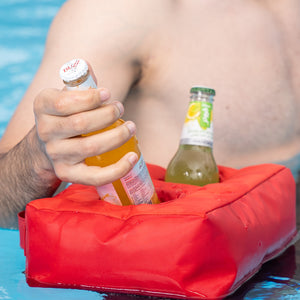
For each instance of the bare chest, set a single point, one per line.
(248, 56)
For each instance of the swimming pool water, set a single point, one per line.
(23, 28)
(12, 279)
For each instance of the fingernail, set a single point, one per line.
(131, 127)
(133, 158)
(104, 94)
(120, 107)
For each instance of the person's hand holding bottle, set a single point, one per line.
(62, 117)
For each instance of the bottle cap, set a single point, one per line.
(73, 70)
(202, 89)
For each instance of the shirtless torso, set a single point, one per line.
(149, 54)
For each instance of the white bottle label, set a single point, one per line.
(108, 193)
(138, 184)
(198, 125)
(88, 84)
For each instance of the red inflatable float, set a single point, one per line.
(199, 243)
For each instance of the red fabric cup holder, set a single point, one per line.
(200, 242)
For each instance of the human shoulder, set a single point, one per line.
(116, 27)
(116, 37)
(129, 13)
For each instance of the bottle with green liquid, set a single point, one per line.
(194, 162)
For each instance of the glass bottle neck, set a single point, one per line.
(201, 97)
(196, 148)
(83, 83)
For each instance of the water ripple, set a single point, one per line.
(23, 28)
(275, 288)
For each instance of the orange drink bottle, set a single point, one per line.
(194, 163)
(134, 188)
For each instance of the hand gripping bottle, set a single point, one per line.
(194, 162)
(134, 188)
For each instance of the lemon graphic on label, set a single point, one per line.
(193, 112)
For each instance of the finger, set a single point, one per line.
(64, 103)
(73, 151)
(96, 176)
(58, 127)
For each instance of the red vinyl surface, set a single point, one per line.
(200, 242)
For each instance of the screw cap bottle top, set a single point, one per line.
(73, 70)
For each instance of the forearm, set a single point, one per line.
(26, 174)
(56, 148)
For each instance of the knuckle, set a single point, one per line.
(59, 103)
(119, 169)
(94, 96)
(89, 147)
(39, 100)
(61, 172)
(122, 133)
(37, 105)
(78, 123)
(52, 152)
(43, 132)
(112, 112)
(90, 97)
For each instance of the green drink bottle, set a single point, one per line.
(194, 162)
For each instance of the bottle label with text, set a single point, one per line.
(108, 193)
(137, 185)
(198, 125)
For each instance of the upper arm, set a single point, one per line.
(94, 30)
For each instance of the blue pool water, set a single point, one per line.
(23, 28)
(12, 279)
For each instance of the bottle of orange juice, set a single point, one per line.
(134, 188)
(194, 163)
